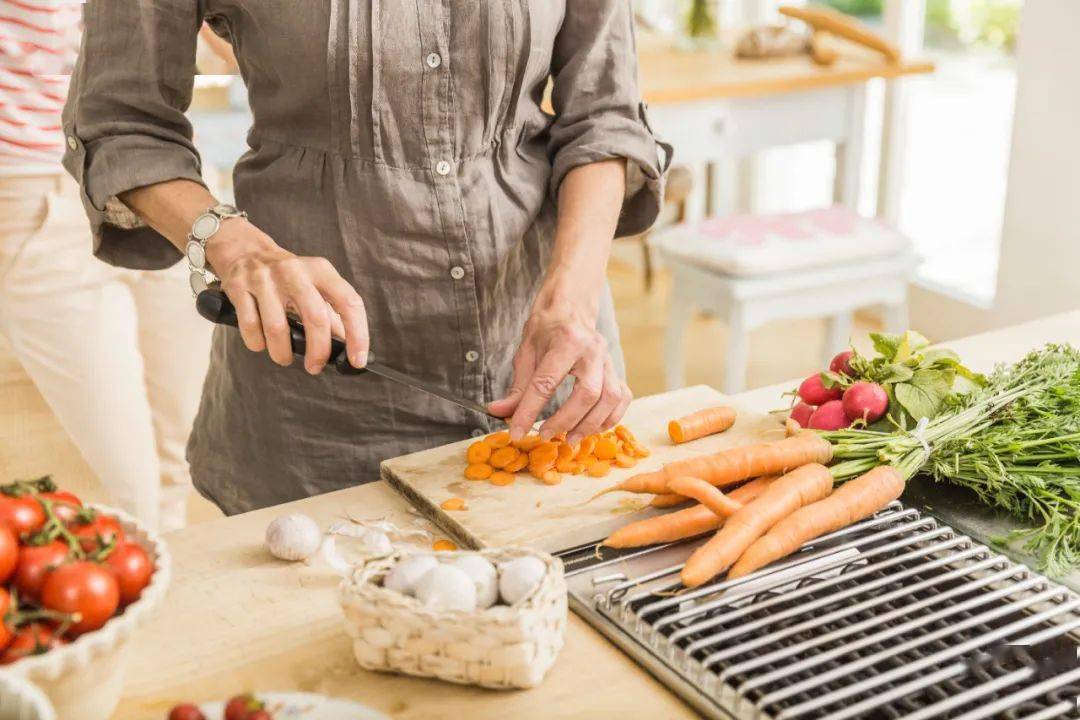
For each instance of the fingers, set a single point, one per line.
(316, 318)
(275, 326)
(588, 390)
(550, 371)
(524, 365)
(348, 304)
(610, 397)
(247, 315)
(620, 409)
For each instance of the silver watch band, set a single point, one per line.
(204, 228)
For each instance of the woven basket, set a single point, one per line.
(499, 647)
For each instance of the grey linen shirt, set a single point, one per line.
(405, 142)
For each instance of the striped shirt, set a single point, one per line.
(39, 41)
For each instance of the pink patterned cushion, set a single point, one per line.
(766, 244)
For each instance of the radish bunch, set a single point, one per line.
(833, 406)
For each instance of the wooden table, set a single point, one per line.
(716, 107)
(237, 619)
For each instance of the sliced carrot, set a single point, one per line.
(623, 433)
(605, 449)
(503, 456)
(704, 422)
(527, 443)
(567, 466)
(543, 453)
(518, 463)
(502, 478)
(478, 471)
(588, 444)
(478, 452)
(640, 450)
(551, 478)
(499, 439)
(625, 461)
(598, 468)
(454, 503)
(443, 545)
(566, 451)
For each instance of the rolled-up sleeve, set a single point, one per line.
(124, 119)
(599, 114)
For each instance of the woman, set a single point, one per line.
(404, 191)
(116, 353)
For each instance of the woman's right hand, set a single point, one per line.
(264, 282)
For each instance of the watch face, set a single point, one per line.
(196, 255)
(205, 226)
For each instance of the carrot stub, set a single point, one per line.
(681, 524)
(799, 487)
(705, 494)
(478, 452)
(478, 471)
(455, 503)
(502, 478)
(853, 501)
(704, 422)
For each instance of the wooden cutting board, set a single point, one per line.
(557, 517)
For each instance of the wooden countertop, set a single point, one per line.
(670, 75)
(236, 619)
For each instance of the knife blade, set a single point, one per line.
(214, 305)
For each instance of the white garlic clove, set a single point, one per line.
(483, 575)
(519, 577)
(445, 587)
(407, 572)
(293, 537)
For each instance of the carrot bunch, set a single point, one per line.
(498, 459)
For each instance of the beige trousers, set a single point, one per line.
(119, 355)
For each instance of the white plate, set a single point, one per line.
(302, 706)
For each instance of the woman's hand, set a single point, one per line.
(560, 339)
(265, 281)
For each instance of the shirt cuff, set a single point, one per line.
(648, 159)
(114, 165)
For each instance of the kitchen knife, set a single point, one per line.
(214, 305)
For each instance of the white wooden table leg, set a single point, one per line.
(849, 154)
(837, 335)
(738, 350)
(896, 317)
(680, 311)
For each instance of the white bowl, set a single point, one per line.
(22, 700)
(84, 678)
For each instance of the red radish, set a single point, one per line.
(830, 416)
(842, 363)
(801, 414)
(813, 391)
(865, 401)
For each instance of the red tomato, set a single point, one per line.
(240, 707)
(132, 567)
(22, 514)
(9, 553)
(5, 607)
(65, 505)
(85, 588)
(32, 639)
(97, 533)
(35, 564)
(187, 711)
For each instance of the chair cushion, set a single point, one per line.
(748, 245)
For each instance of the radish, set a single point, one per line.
(842, 363)
(865, 401)
(801, 414)
(829, 416)
(813, 391)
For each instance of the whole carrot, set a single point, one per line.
(799, 487)
(734, 464)
(704, 422)
(667, 500)
(855, 500)
(681, 524)
(705, 494)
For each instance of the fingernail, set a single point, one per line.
(573, 438)
(360, 359)
(516, 433)
(546, 434)
(315, 369)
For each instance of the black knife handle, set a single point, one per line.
(214, 305)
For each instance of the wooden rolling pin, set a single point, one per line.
(839, 24)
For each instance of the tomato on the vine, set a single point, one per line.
(35, 564)
(99, 532)
(132, 567)
(5, 608)
(22, 514)
(32, 639)
(85, 588)
(65, 505)
(9, 553)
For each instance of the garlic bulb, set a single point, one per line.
(445, 587)
(483, 575)
(407, 572)
(293, 537)
(519, 577)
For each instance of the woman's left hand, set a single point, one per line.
(560, 340)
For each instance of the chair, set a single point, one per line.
(752, 269)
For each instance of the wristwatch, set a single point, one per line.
(204, 228)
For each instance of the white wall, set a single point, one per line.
(1040, 259)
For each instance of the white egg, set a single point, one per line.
(293, 537)
(445, 587)
(484, 577)
(519, 577)
(407, 572)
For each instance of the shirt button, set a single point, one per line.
(472, 356)
(443, 168)
(73, 143)
(478, 432)
(457, 272)
(433, 60)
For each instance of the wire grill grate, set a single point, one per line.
(897, 617)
